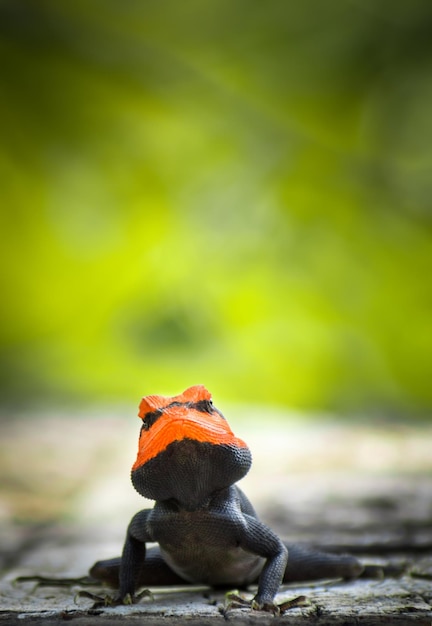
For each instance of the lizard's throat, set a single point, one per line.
(189, 471)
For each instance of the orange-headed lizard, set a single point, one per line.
(206, 529)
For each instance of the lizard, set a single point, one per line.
(206, 530)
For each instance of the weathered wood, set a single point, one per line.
(360, 602)
(318, 483)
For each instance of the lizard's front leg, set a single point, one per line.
(131, 564)
(132, 560)
(259, 539)
(133, 556)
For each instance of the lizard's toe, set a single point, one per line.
(278, 609)
(99, 601)
(106, 601)
(236, 601)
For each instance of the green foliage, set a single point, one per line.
(224, 192)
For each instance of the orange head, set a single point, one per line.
(186, 448)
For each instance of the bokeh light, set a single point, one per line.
(228, 193)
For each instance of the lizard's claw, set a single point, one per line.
(291, 604)
(109, 601)
(99, 601)
(236, 601)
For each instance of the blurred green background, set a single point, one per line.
(228, 192)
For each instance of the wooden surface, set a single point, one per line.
(66, 499)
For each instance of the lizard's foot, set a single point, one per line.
(236, 601)
(101, 602)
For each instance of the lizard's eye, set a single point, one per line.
(150, 418)
(206, 406)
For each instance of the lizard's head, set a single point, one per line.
(186, 450)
